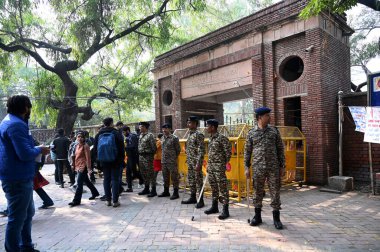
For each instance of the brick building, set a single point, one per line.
(294, 66)
(355, 150)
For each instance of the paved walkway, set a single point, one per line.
(313, 220)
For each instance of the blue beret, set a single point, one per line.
(146, 124)
(192, 119)
(262, 111)
(212, 122)
(166, 126)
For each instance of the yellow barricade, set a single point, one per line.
(295, 152)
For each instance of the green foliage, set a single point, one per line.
(83, 26)
(314, 7)
(363, 45)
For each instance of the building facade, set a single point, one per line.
(296, 67)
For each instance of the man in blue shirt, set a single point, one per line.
(17, 170)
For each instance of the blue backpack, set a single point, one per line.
(107, 150)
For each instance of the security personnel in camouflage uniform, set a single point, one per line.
(170, 151)
(195, 151)
(267, 149)
(147, 147)
(219, 154)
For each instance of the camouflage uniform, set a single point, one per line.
(170, 152)
(195, 151)
(147, 147)
(219, 154)
(268, 158)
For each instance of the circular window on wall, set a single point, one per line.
(167, 97)
(291, 68)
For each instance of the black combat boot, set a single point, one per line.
(191, 200)
(276, 219)
(145, 191)
(213, 208)
(256, 220)
(152, 192)
(225, 213)
(175, 194)
(201, 203)
(165, 193)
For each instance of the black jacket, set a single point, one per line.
(119, 144)
(61, 147)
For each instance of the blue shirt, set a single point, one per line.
(17, 150)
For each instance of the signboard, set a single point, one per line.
(372, 131)
(359, 116)
(374, 89)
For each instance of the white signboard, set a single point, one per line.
(372, 132)
(359, 116)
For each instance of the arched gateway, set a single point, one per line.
(294, 66)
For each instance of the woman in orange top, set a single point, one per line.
(157, 155)
(82, 165)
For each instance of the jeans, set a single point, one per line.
(111, 179)
(132, 162)
(60, 164)
(121, 175)
(56, 173)
(82, 177)
(20, 213)
(129, 174)
(46, 200)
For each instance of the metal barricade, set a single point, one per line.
(295, 152)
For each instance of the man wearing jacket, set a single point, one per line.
(17, 169)
(131, 149)
(111, 169)
(61, 148)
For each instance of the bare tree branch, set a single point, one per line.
(96, 47)
(54, 103)
(35, 55)
(146, 35)
(42, 44)
(360, 86)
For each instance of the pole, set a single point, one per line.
(369, 104)
(370, 167)
(340, 108)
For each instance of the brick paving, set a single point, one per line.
(313, 220)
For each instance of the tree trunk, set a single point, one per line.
(68, 110)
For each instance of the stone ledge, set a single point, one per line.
(341, 183)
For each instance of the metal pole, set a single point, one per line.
(369, 104)
(340, 107)
(370, 167)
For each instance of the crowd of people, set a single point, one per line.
(142, 155)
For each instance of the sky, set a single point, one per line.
(357, 74)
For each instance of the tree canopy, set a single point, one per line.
(76, 56)
(314, 7)
(94, 48)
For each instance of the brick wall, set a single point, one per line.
(262, 18)
(326, 71)
(355, 151)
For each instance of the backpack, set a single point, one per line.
(107, 150)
